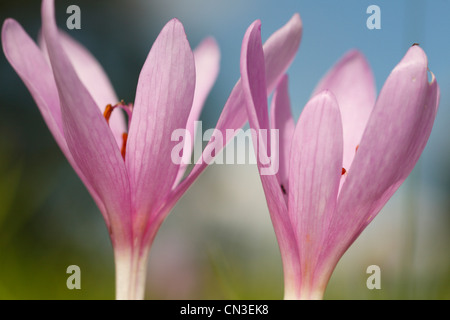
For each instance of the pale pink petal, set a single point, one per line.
(253, 77)
(392, 143)
(255, 92)
(88, 136)
(94, 79)
(352, 82)
(29, 63)
(281, 119)
(315, 174)
(164, 98)
(279, 52)
(207, 64)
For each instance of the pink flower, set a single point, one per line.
(343, 160)
(127, 168)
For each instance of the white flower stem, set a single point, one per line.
(131, 267)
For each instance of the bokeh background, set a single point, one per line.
(218, 242)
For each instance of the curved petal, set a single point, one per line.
(393, 141)
(279, 52)
(207, 64)
(94, 78)
(253, 77)
(255, 92)
(163, 102)
(88, 136)
(315, 174)
(31, 66)
(352, 82)
(29, 63)
(281, 119)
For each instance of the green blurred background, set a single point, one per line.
(218, 242)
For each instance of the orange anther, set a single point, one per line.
(107, 113)
(124, 144)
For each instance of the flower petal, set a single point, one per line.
(392, 143)
(279, 52)
(352, 82)
(88, 136)
(281, 119)
(207, 64)
(253, 77)
(255, 92)
(314, 178)
(94, 78)
(163, 102)
(31, 66)
(29, 63)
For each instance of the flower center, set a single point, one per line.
(128, 108)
